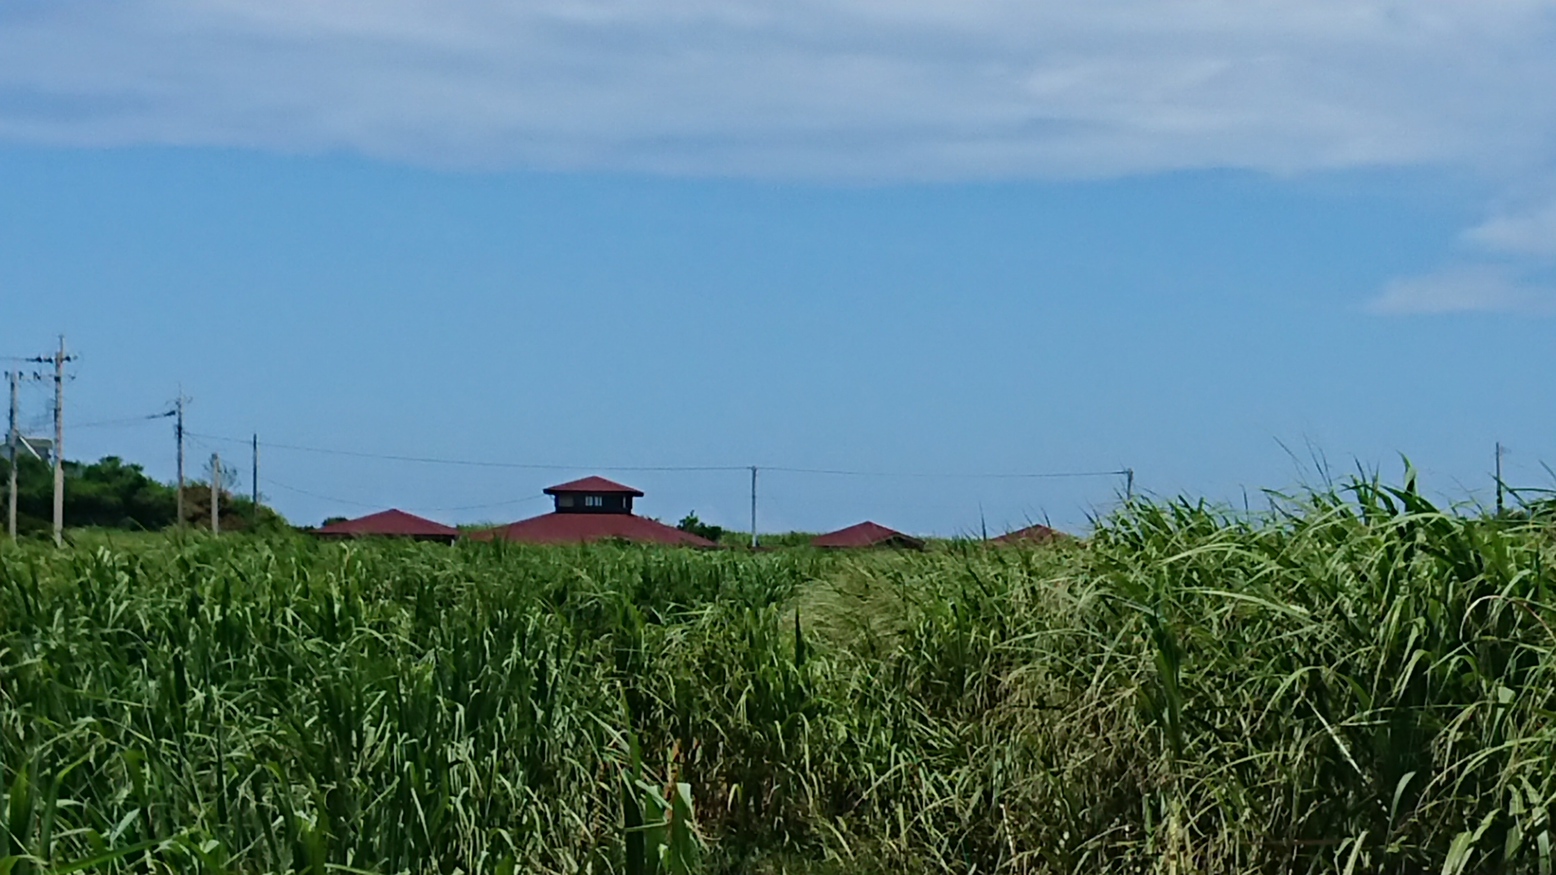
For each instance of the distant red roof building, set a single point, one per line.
(1032, 535)
(592, 509)
(867, 534)
(393, 523)
(593, 484)
(565, 528)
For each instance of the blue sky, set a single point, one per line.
(922, 238)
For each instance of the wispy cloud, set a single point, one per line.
(1528, 231)
(1478, 289)
(858, 89)
(1516, 242)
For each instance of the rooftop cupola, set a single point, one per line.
(593, 495)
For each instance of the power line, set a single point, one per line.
(273, 482)
(948, 476)
(477, 463)
(321, 496)
(330, 498)
(532, 466)
(126, 420)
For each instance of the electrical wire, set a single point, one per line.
(201, 438)
(267, 480)
(949, 476)
(123, 421)
(271, 481)
(474, 463)
(531, 466)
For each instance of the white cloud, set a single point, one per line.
(1474, 289)
(1528, 231)
(863, 89)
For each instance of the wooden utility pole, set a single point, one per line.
(1129, 484)
(254, 482)
(216, 493)
(178, 432)
(753, 507)
(1499, 479)
(59, 358)
(13, 443)
(10, 440)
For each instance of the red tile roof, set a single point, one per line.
(392, 523)
(593, 484)
(1032, 535)
(578, 528)
(867, 534)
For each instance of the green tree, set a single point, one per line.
(692, 525)
(114, 494)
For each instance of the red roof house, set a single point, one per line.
(592, 509)
(1032, 535)
(867, 534)
(393, 523)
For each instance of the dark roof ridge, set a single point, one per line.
(593, 484)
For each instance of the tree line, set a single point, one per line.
(114, 494)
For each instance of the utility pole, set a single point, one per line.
(178, 431)
(1129, 484)
(1499, 479)
(59, 444)
(59, 358)
(254, 481)
(10, 440)
(13, 444)
(216, 493)
(753, 507)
